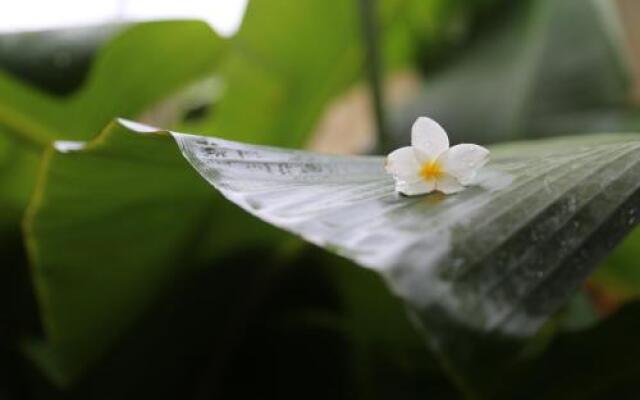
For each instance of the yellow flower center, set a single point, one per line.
(431, 170)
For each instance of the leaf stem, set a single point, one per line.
(374, 68)
(23, 129)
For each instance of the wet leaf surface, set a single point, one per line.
(491, 263)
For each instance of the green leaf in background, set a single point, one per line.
(118, 84)
(290, 59)
(286, 62)
(494, 261)
(549, 67)
(112, 224)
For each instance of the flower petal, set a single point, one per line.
(463, 160)
(403, 163)
(429, 139)
(448, 184)
(415, 187)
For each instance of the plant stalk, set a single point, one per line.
(369, 22)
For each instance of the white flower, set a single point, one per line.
(429, 164)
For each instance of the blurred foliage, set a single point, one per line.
(598, 363)
(120, 82)
(19, 165)
(150, 285)
(533, 74)
(57, 64)
(619, 279)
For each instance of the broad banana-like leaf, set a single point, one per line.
(493, 261)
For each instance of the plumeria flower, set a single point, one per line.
(430, 165)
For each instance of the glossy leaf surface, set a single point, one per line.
(498, 258)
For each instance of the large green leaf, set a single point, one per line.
(285, 63)
(118, 84)
(113, 223)
(548, 67)
(492, 262)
